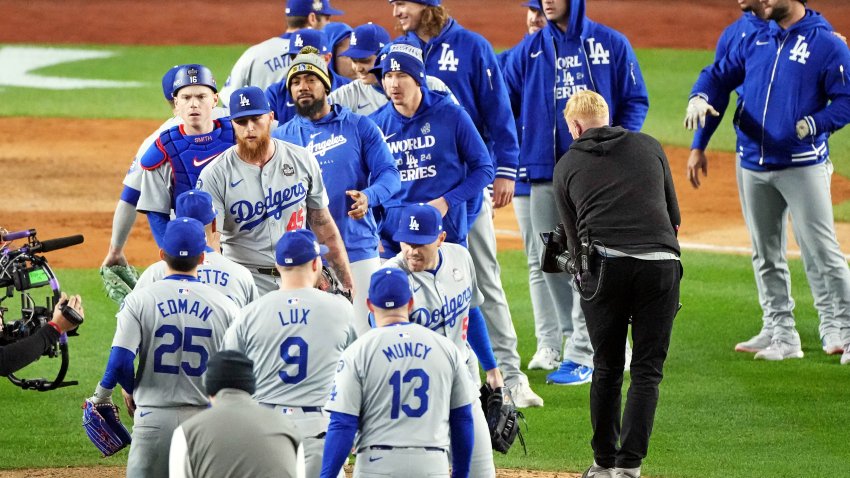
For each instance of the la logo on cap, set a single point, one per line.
(413, 226)
(298, 40)
(244, 101)
(394, 65)
(353, 39)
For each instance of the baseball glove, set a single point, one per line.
(329, 282)
(502, 418)
(104, 428)
(119, 281)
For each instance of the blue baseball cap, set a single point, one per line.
(419, 224)
(430, 3)
(307, 37)
(303, 8)
(389, 288)
(184, 237)
(406, 58)
(248, 101)
(191, 75)
(337, 32)
(168, 82)
(366, 40)
(298, 247)
(535, 4)
(196, 204)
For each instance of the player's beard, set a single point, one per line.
(311, 108)
(254, 151)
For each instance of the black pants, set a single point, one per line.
(648, 292)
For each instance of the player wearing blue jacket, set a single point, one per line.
(466, 62)
(357, 168)
(277, 94)
(571, 53)
(796, 92)
(439, 154)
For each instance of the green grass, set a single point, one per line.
(721, 414)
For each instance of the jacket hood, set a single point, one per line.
(432, 103)
(810, 21)
(575, 24)
(599, 141)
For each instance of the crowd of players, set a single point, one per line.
(393, 154)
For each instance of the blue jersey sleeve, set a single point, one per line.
(276, 96)
(384, 179)
(119, 369)
(130, 195)
(494, 104)
(461, 429)
(633, 99)
(158, 221)
(479, 339)
(717, 81)
(338, 441)
(474, 153)
(836, 84)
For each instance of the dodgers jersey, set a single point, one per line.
(224, 275)
(175, 324)
(442, 298)
(295, 338)
(366, 99)
(257, 205)
(401, 380)
(352, 155)
(260, 65)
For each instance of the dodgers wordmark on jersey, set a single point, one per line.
(402, 381)
(224, 275)
(257, 205)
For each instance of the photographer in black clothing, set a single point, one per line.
(616, 199)
(16, 356)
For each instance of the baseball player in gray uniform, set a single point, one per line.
(404, 387)
(174, 325)
(263, 187)
(267, 62)
(365, 95)
(445, 290)
(228, 277)
(295, 337)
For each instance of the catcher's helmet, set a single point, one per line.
(193, 74)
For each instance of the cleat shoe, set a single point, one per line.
(570, 373)
(757, 343)
(845, 357)
(596, 471)
(832, 344)
(780, 351)
(626, 472)
(523, 396)
(545, 359)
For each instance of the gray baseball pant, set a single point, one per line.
(407, 462)
(313, 426)
(805, 192)
(500, 327)
(361, 274)
(152, 431)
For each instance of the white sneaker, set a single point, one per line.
(545, 359)
(757, 343)
(845, 357)
(523, 396)
(626, 472)
(780, 351)
(596, 471)
(832, 344)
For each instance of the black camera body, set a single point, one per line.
(556, 256)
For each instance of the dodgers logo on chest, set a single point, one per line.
(251, 214)
(453, 307)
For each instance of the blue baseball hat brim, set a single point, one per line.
(358, 53)
(415, 238)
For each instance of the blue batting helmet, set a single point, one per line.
(194, 74)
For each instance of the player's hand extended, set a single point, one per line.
(503, 192)
(441, 205)
(360, 206)
(803, 128)
(129, 402)
(695, 114)
(494, 378)
(697, 162)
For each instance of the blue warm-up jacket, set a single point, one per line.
(787, 75)
(603, 61)
(438, 152)
(352, 155)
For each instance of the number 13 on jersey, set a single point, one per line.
(419, 381)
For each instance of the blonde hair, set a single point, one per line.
(586, 105)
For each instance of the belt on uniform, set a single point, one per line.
(387, 447)
(303, 409)
(269, 271)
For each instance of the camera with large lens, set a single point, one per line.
(24, 272)
(556, 255)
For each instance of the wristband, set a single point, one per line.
(55, 327)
